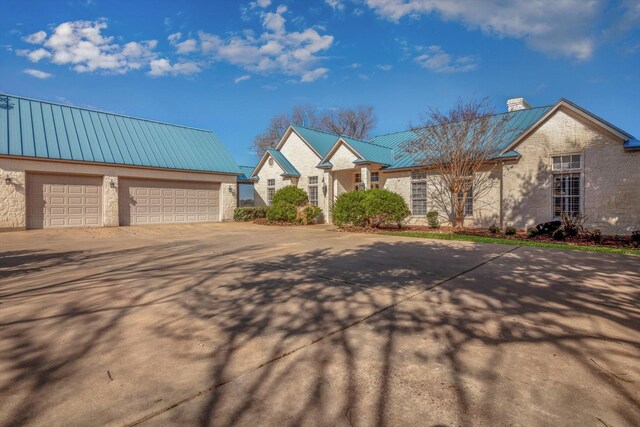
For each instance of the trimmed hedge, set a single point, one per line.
(433, 219)
(372, 208)
(290, 194)
(282, 212)
(249, 213)
(349, 209)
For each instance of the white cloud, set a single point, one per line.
(37, 73)
(163, 67)
(184, 47)
(384, 67)
(36, 38)
(242, 78)
(34, 55)
(562, 27)
(82, 45)
(336, 5)
(312, 75)
(273, 51)
(436, 59)
(261, 3)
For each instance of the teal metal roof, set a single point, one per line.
(40, 129)
(286, 166)
(321, 141)
(518, 122)
(247, 171)
(370, 152)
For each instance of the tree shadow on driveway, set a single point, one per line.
(337, 335)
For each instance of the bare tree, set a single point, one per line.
(356, 122)
(458, 148)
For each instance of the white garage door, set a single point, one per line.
(55, 201)
(167, 202)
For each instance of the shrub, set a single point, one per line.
(494, 229)
(291, 194)
(532, 232)
(282, 212)
(559, 234)
(573, 225)
(384, 207)
(432, 219)
(596, 236)
(547, 228)
(249, 213)
(635, 237)
(308, 214)
(510, 231)
(349, 209)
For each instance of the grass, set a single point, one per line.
(516, 242)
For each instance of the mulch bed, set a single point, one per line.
(609, 241)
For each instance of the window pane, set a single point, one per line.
(375, 177)
(566, 194)
(313, 180)
(271, 182)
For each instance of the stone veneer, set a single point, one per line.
(13, 200)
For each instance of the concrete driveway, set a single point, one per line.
(239, 324)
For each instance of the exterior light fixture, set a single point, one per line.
(324, 188)
(7, 180)
(112, 184)
(230, 189)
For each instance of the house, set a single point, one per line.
(555, 159)
(63, 166)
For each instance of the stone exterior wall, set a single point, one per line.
(266, 172)
(610, 176)
(110, 214)
(229, 202)
(13, 200)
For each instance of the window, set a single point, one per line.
(567, 191)
(271, 190)
(313, 190)
(567, 163)
(270, 161)
(375, 180)
(418, 193)
(357, 179)
(468, 203)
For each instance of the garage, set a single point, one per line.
(59, 201)
(167, 202)
(63, 166)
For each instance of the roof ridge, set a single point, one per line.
(104, 112)
(316, 130)
(459, 121)
(365, 141)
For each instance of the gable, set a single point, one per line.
(294, 148)
(342, 157)
(267, 169)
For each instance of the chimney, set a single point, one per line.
(515, 104)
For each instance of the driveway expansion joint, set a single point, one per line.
(321, 338)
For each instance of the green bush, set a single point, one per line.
(432, 219)
(308, 214)
(349, 209)
(532, 232)
(292, 195)
(384, 207)
(494, 229)
(249, 213)
(510, 231)
(282, 212)
(373, 208)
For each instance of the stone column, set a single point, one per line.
(12, 200)
(327, 182)
(365, 176)
(110, 217)
(229, 196)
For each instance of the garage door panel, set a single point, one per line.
(167, 202)
(63, 201)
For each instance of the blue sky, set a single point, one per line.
(229, 66)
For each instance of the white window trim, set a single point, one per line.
(564, 172)
(316, 186)
(269, 188)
